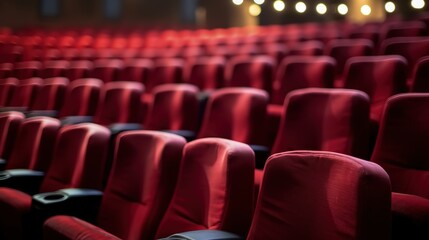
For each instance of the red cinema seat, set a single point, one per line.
(24, 94)
(168, 70)
(78, 162)
(6, 70)
(79, 69)
(151, 161)
(7, 89)
(136, 70)
(307, 48)
(207, 73)
(9, 125)
(51, 94)
(108, 70)
(420, 76)
(401, 149)
(54, 69)
(28, 69)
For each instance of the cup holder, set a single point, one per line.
(4, 175)
(54, 197)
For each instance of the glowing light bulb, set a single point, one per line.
(321, 8)
(237, 2)
(300, 7)
(365, 10)
(418, 4)
(254, 10)
(279, 5)
(259, 2)
(389, 7)
(342, 9)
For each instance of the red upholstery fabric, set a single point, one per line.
(401, 146)
(51, 94)
(79, 69)
(6, 70)
(25, 92)
(302, 72)
(79, 159)
(168, 70)
(322, 195)
(214, 190)
(9, 125)
(250, 71)
(334, 120)
(81, 97)
(54, 69)
(7, 89)
(150, 160)
(420, 77)
(236, 114)
(136, 70)
(402, 29)
(401, 149)
(28, 69)
(34, 143)
(307, 48)
(378, 76)
(108, 70)
(207, 73)
(66, 227)
(119, 103)
(175, 107)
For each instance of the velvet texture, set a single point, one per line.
(322, 195)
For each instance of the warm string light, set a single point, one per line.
(322, 8)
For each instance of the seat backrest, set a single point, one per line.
(79, 69)
(136, 70)
(28, 69)
(7, 89)
(9, 125)
(403, 29)
(81, 97)
(54, 68)
(343, 49)
(6, 70)
(378, 76)
(250, 71)
(207, 73)
(108, 70)
(401, 146)
(236, 114)
(26, 92)
(307, 48)
(214, 189)
(79, 158)
(169, 70)
(34, 143)
(119, 103)
(420, 76)
(51, 94)
(411, 48)
(334, 120)
(322, 195)
(149, 160)
(174, 107)
(297, 72)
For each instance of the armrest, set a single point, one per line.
(188, 135)
(24, 180)
(46, 113)
(204, 235)
(76, 119)
(261, 155)
(2, 164)
(81, 203)
(17, 109)
(117, 128)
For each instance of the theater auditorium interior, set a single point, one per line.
(214, 119)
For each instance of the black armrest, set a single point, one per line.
(204, 235)
(81, 203)
(25, 180)
(76, 119)
(17, 109)
(46, 113)
(261, 155)
(117, 128)
(188, 135)
(2, 164)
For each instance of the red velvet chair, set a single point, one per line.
(236, 114)
(54, 69)
(24, 94)
(7, 89)
(401, 149)
(420, 76)
(250, 71)
(316, 195)
(51, 94)
(6, 70)
(136, 70)
(216, 175)
(168, 70)
(108, 70)
(9, 125)
(79, 69)
(78, 162)
(378, 76)
(207, 73)
(307, 48)
(27, 69)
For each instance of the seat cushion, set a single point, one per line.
(15, 208)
